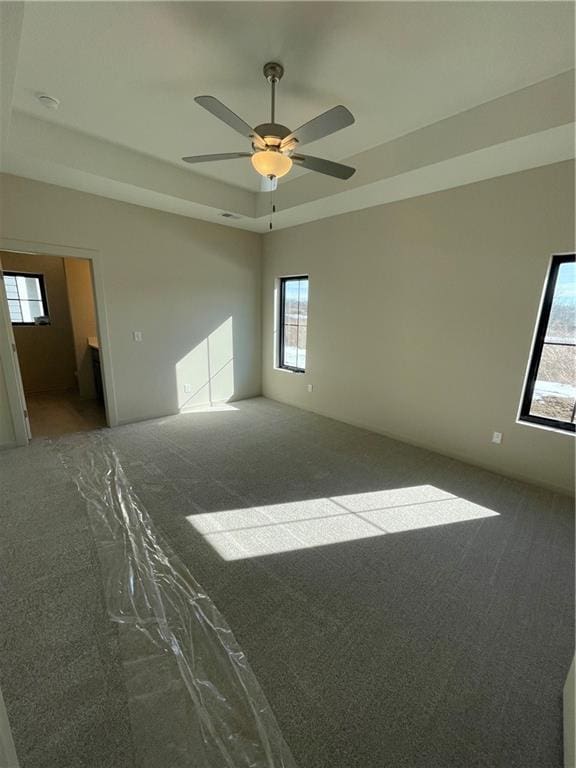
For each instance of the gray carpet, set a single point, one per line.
(426, 647)
(59, 667)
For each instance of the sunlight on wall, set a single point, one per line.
(206, 374)
(252, 532)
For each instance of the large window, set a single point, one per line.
(293, 323)
(549, 397)
(26, 298)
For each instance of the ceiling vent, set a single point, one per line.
(48, 101)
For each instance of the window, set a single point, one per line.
(26, 298)
(293, 322)
(550, 392)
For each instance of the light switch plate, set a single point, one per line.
(310, 387)
(497, 437)
(137, 335)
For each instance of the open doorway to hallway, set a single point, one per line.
(53, 317)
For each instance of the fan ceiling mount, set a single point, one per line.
(275, 146)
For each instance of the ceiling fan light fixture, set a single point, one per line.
(273, 143)
(271, 163)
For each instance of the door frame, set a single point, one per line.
(12, 374)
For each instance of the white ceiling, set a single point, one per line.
(127, 72)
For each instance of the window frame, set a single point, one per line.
(40, 278)
(524, 415)
(281, 315)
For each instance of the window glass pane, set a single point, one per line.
(302, 347)
(295, 316)
(555, 390)
(291, 289)
(10, 285)
(25, 300)
(291, 301)
(31, 310)
(291, 312)
(303, 301)
(552, 370)
(562, 322)
(29, 287)
(290, 345)
(15, 313)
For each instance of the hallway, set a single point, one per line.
(59, 413)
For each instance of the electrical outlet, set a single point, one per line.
(137, 335)
(497, 437)
(187, 388)
(310, 387)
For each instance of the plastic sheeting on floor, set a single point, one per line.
(193, 699)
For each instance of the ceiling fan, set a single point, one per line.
(275, 148)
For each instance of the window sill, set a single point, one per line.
(559, 430)
(288, 370)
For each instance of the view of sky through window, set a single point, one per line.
(555, 387)
(295, 322)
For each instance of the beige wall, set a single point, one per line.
(45, 352)
(83, 317)
(175, 279)
(422, 313)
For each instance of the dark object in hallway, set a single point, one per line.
(95, 353)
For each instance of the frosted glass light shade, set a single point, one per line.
(271, 163)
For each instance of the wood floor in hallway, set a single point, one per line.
(59, 413)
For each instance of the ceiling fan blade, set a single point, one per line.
(328, 167)
(210, 158)
(328, 122)
(222, 112)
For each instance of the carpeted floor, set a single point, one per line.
(400, 609)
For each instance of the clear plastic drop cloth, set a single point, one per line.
(194, 701)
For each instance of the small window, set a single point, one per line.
(293, 323)
(26, 298)
(550, 392)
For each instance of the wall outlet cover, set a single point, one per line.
(187, 388)
(497, 437)
(137, 335)
(310, 387)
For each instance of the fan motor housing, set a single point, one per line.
(272, 129)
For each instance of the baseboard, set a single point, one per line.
(441, 452)
(166, 414)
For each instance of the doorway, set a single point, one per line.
(52, 313)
